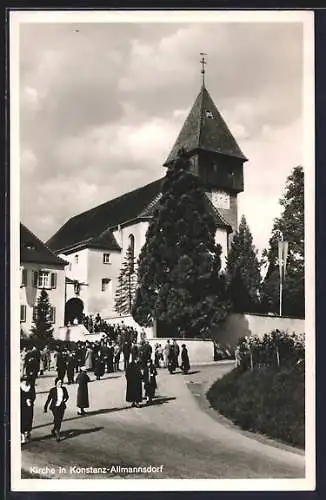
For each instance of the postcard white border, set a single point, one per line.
(307, 19)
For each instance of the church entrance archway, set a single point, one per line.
(74, 310)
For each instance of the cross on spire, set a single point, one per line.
(203, 62)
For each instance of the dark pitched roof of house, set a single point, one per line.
(32, 249)
(92, 228)
(205, 129)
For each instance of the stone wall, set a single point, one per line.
(240, 325)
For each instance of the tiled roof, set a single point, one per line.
(92, 228)
(149, 210)
(32, 249)
(205, 129)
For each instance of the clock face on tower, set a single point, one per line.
(221, 199)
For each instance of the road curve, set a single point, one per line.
(174, 433)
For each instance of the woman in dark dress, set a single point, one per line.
(99, 366)
(185, 365)
(150, 384)
(110, 357)
(27, 398)
(134, 383)
(82, 391)
(172, 360)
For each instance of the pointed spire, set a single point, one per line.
(205, 130)
(203, 62)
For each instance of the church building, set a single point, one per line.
(95, 242)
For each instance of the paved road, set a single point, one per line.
(175, 433)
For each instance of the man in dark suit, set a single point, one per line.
(126, 353)
(57, 398)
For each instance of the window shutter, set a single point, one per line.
(24, 277)
(22, 313)
(53, 280)
(34, 313)
(53, 314)
(35, 278)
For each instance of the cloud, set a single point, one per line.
(273, 157)
(101, 108)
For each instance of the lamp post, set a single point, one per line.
(282, 258)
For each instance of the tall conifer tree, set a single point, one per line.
(290, 226)
(127, 281)
(243, 271)
(42, 328)
(179, 265)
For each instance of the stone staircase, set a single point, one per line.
(75, 333)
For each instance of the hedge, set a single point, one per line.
(266, 400)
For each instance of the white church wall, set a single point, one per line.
(138, 230)
(221, 238)
(99, 299)
(121, 235)
(78, 265)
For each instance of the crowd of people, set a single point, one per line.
(74, 362)
(96, 324)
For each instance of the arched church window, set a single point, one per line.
(131, 247)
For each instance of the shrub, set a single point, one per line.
(268, 401)
(273, 349)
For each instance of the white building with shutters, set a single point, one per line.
(40, 269)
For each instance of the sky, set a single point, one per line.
(101, 104)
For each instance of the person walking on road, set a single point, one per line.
(126, 354)
(71, 365)
(134, 393)
(99, 366)
(110, 358)
(134, 351)
(117, 353)
(61, 365)
(82, 391)
(166, 353)
(89, 358)
(185, 364)
(32, 365)
(57, 398)
(27, 398)
(150, 384)
(176, 350)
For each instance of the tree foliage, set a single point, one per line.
(291, 225)
(179, 265)
(243, 271)
(42, 327)
(127, 281)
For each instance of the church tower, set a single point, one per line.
(214, 154)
